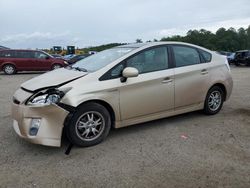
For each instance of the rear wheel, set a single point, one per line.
(89, 126)
(9, 69)
(214, 100)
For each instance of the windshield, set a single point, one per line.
(47, 54)
(101, 59)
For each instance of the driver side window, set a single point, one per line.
(40, 55)
(151, 60)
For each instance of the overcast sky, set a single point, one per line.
(45, 23)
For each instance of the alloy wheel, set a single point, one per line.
(90, 126)
(214, 100)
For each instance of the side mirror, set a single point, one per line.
(47, 57)
(129, 72)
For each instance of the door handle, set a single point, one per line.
(204, 71)
(167, 80)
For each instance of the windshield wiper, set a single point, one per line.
(78, 68)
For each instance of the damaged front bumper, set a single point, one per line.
(49, 125)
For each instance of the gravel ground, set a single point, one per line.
(214, 151)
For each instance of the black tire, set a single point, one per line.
(237, 64)
(56, 66)
(9, 69)
(209, 106)
(75, 133)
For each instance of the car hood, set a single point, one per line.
(54, 78)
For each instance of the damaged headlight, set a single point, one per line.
(48, 97)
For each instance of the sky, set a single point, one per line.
(82, 23)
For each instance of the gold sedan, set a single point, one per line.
(119, 87)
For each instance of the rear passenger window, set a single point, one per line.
(206, 56)
(185, 56)
(23, 54)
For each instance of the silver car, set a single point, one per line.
(119, 87)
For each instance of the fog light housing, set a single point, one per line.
(34, 126)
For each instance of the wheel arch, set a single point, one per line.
(222, 86)
(8, 63)
(55, 63)
(105, 104)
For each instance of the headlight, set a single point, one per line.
(65, 62)
(50, 97)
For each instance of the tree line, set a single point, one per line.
(229, 40)
(222, 40)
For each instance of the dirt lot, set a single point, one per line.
(216, 152)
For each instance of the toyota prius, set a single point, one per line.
(118, 87)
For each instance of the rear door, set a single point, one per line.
(191, 76)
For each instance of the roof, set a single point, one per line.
(3, 47)
(20, 50)
(242, 51)
(132, 45)
(151, 44)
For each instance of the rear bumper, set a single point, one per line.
(50, 130)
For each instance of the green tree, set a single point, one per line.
(138, 40)
(222, 40)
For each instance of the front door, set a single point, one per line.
(153, 90)
(42, 61)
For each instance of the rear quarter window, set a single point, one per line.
(6, 54)
(207, 57)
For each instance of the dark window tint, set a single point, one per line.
(150, 60)
(206, 56)
(24, 54)
(185, 56)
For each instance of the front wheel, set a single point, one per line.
(89, 126)
(214, 100)
(56, 66)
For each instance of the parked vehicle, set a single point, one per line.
(12, 61)
(119, 87)
(230, 56)
(57, 56)
(242, 58)
(68, 57)
(77, 58)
